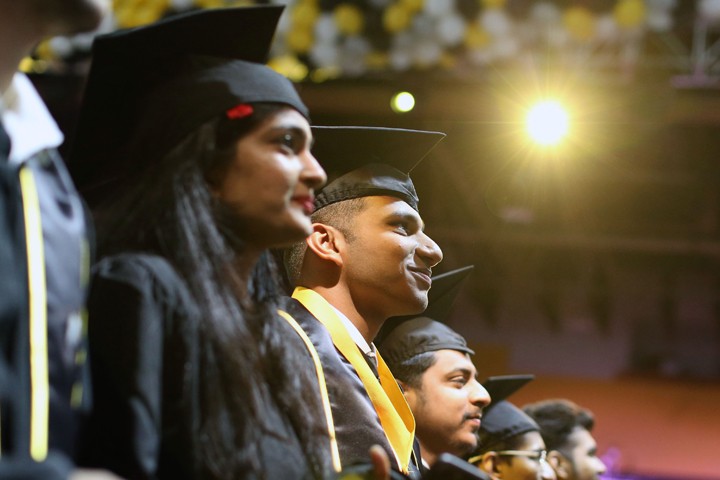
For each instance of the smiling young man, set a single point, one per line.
(433, 365)
(566, 429)
(367, 259)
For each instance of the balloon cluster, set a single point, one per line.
(320, 39)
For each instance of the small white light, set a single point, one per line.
(402, 102)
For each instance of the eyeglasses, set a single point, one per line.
(538, 455)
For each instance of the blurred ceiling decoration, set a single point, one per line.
(325, 39)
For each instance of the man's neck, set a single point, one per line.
(428, 457)
(367, 325)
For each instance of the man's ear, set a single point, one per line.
(324, 242)
(490, 464)
(408, 391)
(560, 464)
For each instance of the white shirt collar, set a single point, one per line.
(27, 120)
(356, 335)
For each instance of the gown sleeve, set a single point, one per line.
(127, 308)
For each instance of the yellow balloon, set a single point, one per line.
(289, 66)
(300, 40)
(304, 14)
(630, 13)
(476, 37)
(413, 6)
(349, 19)
(396, 18)
(579, 22)
(493, 3)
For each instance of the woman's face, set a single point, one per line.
(271, 181)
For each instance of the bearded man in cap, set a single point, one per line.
(367, 259)
(433, 365)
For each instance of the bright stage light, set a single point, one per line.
(547, 122)
(402, 102)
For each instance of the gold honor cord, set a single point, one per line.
(323, 388)
(395, 416)
(40, 394)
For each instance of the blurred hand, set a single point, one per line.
(87, 474)
(380, 462)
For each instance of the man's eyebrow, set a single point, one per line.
(407, 216)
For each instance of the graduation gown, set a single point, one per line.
(41, 305)
(145, 374)
(355, 416)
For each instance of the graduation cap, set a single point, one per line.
(370, 161)
(501, 387)
(502, 421)
(149, 87)
(404, 337)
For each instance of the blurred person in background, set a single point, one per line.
(566, 429)
(44, 257)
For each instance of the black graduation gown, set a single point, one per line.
(357, 425)
(63, 240)
(145, 377)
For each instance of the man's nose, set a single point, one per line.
(480, 396)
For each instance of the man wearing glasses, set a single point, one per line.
(565, 428)
(511, 447)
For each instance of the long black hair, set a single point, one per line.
(247, 363)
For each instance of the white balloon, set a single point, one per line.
(495, 22)
(326, 28)
(545, 12)
(505, 47)
(380, 3)
(61, 46)
(400, 59)
(659, 20)
(557, 37)
(427, 53)
(352, 55)
(450, 30)
(284, 24)
(606, 28)
(480, 57)
(83, 41)
(437, 8)
(181, 4)
(403, 40)
(324, 54)
(709, 9)
(356, 45)
(661, 4)
(423, 25)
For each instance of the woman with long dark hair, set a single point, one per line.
(195, 375)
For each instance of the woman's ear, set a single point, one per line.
(325, 241)
(560, 464)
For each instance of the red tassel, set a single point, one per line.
(240, 111)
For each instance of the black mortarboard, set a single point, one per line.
(404, 337)
(502, 421)
(149, 87)
(502, 386)
(369, 161)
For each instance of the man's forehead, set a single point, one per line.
(454, 360)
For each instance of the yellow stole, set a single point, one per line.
(395, 416)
